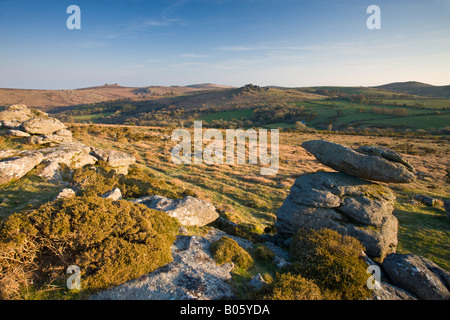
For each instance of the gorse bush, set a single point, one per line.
(333, 261)
(97, 180)
(287, 286)
(111, 241)
(227, 250)
(326, 266)
(263, 253)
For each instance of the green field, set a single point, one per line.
(428, 104)
(352, 114)
(417, 122)
(95, 118)
(281, 125)
(355, 90)
(227, 115)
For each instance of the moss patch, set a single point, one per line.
(226, 250)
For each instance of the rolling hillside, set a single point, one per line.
(417, 88)
(397, 106)
(50, 99)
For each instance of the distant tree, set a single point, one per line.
(400, 112)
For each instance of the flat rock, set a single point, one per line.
(73, 155)
(7, 153)
(60, 136)
(50, 139)
(192, 275)
(418, 275)
(362, 163)
(11, 124)
(18, 166)
(189, 211)
(18, 133)
(42, 126)
(16, 113)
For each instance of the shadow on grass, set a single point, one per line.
(28, 193)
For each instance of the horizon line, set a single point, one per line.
(224, 85)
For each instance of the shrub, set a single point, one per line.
(226, 250)
(111, 241)
(97, 180)
(93, 181)
(263, 253)
(333, 261)
(287, 286)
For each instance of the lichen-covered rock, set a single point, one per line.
(386, 291)
(16, 114)
(343, 203)
(114, 195)
(257, 281)
(18, 166)
(116, 159)
(418, 275)
(73, 155)
(193, 275)
(386, 153)
(7, 153)
(65, 193)
(364, 163)
(12, 124)
(189, 211)
(42, 126)
(60, 136)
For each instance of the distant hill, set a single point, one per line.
(417, 88)
(208, 86)
(50, 99)
(196, 95)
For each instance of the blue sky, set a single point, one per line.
(232, 42)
